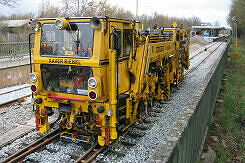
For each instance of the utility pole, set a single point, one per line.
(137, 9)
(78, 7)
(235, 21)
(236, 56)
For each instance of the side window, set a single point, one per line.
(177, 36)
(117, 42)
(127, 41)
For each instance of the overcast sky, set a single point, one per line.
(207, 10)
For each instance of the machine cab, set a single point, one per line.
(73, 72)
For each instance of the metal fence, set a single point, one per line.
(14, 49)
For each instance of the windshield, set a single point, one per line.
(66, 79)
(76, 41)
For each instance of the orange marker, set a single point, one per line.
(89, 50)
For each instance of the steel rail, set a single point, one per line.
(14, 100)
(195, 67)
(2, 103)
(203, 50)
(14, 90)
(91, 154)
(35, 146)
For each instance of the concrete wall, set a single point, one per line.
(14, 71)
(184, 141)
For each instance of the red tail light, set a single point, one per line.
(92, 95)
(33, 88)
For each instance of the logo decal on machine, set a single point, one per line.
(65, 61)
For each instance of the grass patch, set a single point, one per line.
(232, 146)
(223, 154)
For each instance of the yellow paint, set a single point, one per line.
(44, 125)
(113, 100)
(175, 25)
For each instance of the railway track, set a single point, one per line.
(40, 144)
(205, 49)
(8, 95)
(91, 154)
(87, 157)
(36, 146)
(130, 138)
(196, 66)
(4, 91)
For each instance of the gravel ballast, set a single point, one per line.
(11, 116)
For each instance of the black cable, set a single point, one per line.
(32, 95)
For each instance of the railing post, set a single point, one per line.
(113, 94)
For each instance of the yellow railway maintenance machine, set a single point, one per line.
(102, 73)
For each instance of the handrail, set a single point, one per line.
(14, 49)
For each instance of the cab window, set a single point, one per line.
(117, 42)
(66, 78)
(74, 42)
(127, 41)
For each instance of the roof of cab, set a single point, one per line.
(109, 18)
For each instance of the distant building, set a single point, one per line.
(12, 29)
(206, 30)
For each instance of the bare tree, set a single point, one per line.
(93, 8)
(237, 9)
(78, 7)
(9, 3)
(118, 12)
(166, 21)
(48, 10)
(104, 9)
(196, 20)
